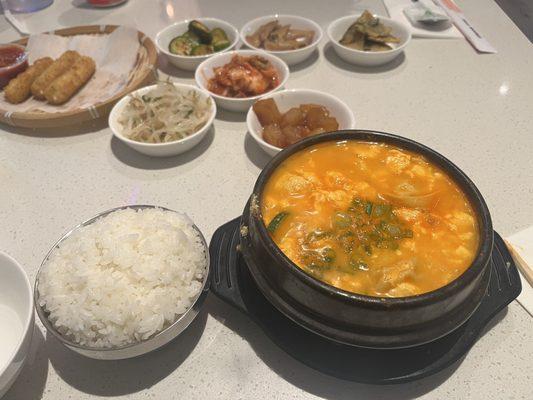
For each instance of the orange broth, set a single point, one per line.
(370, 218)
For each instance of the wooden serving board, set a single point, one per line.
(143, 73)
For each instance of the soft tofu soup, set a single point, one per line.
(370, 218)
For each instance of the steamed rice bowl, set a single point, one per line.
(123, 278)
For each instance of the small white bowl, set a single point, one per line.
(16, 320)
(287, 99)
(367, 58)
(204, 72)
(189, 63)
(161, 149)
(291, 57)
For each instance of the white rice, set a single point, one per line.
(124, 277)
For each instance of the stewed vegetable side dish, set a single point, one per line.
(244, 76)
(368, 33)
(282, 130)
(199, 41)
(370, 218)
(273, 36)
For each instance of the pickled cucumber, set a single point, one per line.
(181, 45)
(199, 40)
(220, 39)
(201, 50)
(201, 31)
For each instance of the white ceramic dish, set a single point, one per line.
(287, 99)
(189, 63)
(161, 149)
(291, 57)
(205, 71)
(367, 58)
(16, 320)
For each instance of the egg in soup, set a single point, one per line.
(370, 218)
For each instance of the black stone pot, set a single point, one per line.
(355, 319)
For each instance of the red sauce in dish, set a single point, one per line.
(10, 55)
(13, 61)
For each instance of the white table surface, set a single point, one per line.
(476, 109)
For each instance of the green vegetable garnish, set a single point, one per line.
(342, 219)
(317, 269)
(363, 226)
(393, 230)
(358, 265)
(382, 210)
(317, 235)
(276, 221)
(328, 254)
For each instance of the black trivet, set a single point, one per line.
(232, 282)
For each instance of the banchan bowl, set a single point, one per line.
(355, 319)
(367, 58)
(166, 149)
(286, 99)
(16, 320)
(190, 63)
(134, 349)
(291, 57)
(205, 72)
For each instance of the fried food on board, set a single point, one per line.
(64, 87)
(54, 71)
(19, 88)
(54, 81)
